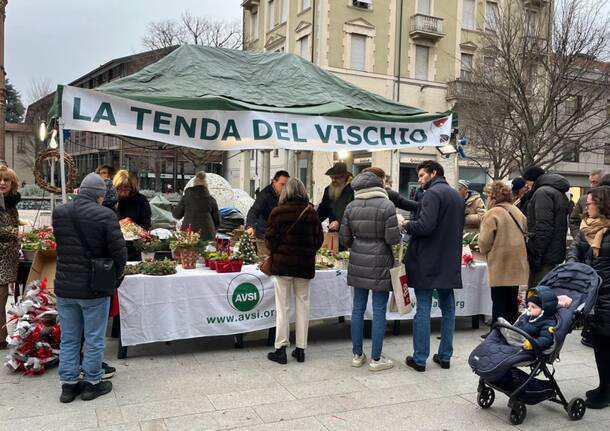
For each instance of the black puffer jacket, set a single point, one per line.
(547, 221)
(104, 237)
(137, 208)
(260, 211)
(581, 252)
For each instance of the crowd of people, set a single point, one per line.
(522, 230)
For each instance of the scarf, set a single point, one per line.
(9, 200)
(594, 230)
(371, 193)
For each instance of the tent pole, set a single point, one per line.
(62, 164)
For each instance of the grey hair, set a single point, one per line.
(597, 172)
(294, 189)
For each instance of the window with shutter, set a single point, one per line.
(304, 47)
(423, 7)
(271, 14)
(284, 10)
(466, 67)
(421, 62)
(468, 14)
(358, 51)
(491, 15)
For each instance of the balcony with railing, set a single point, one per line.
(462, 89)
(426, 27)
(535, 3)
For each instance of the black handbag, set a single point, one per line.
(102, 274)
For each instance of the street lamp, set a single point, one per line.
(53, 142)
(42, 132)
(447, 150)
(343, 154)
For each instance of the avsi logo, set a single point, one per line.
(245, 297)
(245, 292)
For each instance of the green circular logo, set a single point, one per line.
(245, 297)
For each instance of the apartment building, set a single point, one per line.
(416, 52)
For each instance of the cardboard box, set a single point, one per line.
(44, 266)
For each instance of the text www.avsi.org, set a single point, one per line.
(241, 318)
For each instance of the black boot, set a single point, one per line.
(91, 391)
(599, 398)
(70, 392)
(278, 356)
(299, 354)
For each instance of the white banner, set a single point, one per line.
(94, 111)
(200, 303)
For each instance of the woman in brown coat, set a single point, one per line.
(9, 240)
(502, 240)
(293, 236)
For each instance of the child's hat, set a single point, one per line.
(535, 299)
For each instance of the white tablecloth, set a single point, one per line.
(200, 302)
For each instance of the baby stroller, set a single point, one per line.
(497, 362)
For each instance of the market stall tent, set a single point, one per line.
(219, 99)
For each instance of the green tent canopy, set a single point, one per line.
(220, 99)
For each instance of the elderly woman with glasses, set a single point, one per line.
(9, 240)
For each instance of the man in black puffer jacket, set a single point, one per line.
(547, 222)
(79, 308)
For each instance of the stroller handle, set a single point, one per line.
(521, 332)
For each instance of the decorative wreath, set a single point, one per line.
(70, 172)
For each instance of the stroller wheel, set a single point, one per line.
(517, 413)
(576, 409)
(486, 397)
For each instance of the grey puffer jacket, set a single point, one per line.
(370, 229)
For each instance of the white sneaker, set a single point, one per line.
(358, 360)
(382, 364)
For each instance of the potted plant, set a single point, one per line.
(187, 242)
(236, 263)
(147, 245)
(38, 239)
(219, 262)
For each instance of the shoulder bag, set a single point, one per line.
(265, 267)
(524, 233)
(102, 274)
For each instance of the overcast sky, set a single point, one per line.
(61, 40)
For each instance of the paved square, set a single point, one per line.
(206, 384)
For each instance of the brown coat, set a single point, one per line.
(293, 254)
(474, 210)
(503, 243)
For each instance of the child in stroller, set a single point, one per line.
(498, 358)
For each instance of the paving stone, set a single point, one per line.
(288, 410)
(324, 387)
(304, 424)
(218, 420)
(154, 425)
(60, 421)
(253, 397)
(109, 416)
(165, 408)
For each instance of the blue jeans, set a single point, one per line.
(380, 303)
(78, 316)
(421, 324)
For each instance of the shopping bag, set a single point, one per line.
(401, 299)
(331, 242)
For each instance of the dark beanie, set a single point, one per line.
(517, 184)
(535, 299)
(533, 173)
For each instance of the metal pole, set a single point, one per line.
(62, 164)
(52, 183)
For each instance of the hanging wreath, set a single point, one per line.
(70, 172)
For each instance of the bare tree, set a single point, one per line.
(194, 30)
(39, 88)
(539, 93)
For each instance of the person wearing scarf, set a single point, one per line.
(9, 240)
(370, 229)
(592, 247)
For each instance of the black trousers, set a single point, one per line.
(505, 303)
(601, 347)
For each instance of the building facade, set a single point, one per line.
(20, 144)
(415, 52)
